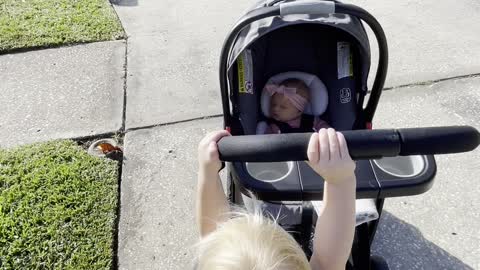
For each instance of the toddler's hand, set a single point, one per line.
(328, 156)
(208, 157)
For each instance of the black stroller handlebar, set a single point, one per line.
(362, 144)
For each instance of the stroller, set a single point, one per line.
(324, 40)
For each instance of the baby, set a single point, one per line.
(288, 101)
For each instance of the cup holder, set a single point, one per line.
(269, 171)
(401, 166)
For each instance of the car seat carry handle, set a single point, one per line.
(307, 7)
(362, 144)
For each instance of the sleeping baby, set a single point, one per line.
(287, 104)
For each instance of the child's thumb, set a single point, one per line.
(212, 149)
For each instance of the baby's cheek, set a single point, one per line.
(295, 112)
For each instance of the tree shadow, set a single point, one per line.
(128, 3)
(404, 247)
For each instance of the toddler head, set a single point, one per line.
(250, 241)
(288, 99)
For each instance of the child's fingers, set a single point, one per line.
(216, 136)
(312, 151)
(333, 142)
(342, 143)
(212, 150)
(208, 138)
(324, 145)
(220, 134)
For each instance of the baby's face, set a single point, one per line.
(282, 109)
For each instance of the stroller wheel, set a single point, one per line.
(378, 263)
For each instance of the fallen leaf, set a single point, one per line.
(107, 148)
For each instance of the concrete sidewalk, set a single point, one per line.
(428, 40)
(436, 230)
(173, 52)
(65, 92)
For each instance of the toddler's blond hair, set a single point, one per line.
(250, 242)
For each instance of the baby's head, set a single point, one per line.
(282, 108)
(250, 241)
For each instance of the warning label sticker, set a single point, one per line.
(344, 60)
(245, 74)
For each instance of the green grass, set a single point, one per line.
(57, 208)
(45, 23)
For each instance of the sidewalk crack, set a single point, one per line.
(125, 78)
(431, 82)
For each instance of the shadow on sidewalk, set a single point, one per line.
(128, 3)
(404, 247)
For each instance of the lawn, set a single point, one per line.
(57, 208)
(46, 23)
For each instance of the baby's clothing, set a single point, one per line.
(305, 123)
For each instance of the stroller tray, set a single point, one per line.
(295, 181)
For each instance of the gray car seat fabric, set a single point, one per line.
(328, 54)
